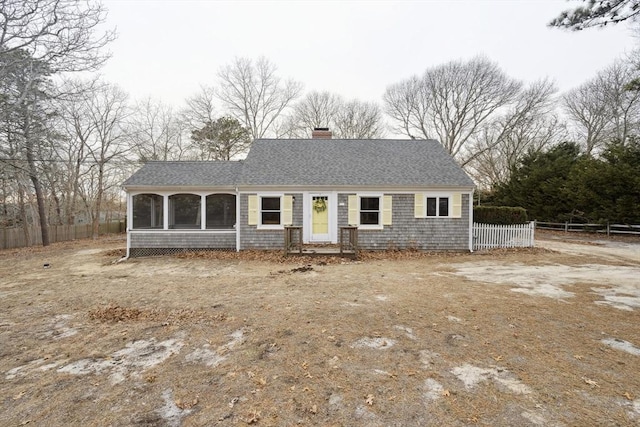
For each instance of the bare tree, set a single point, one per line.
(352, 119)
(156, 132)
(622, 98)
(42, 38)
(407, 103)
(359, 120)
(200, 109)
(315, 109)
(98, 122)
(78, 130)
(586, 107)
(451, 103)
(61, 33)
(254, 94)
(530, 125)
(603, 108)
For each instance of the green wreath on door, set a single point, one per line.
(319, 205)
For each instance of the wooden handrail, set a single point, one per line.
(351, 243)
(291, 244)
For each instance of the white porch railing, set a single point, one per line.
(488, 236)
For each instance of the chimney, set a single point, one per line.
(321, 133)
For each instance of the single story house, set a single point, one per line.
(398, 193)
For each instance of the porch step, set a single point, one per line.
(324, 250)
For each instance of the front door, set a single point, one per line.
(320, 219)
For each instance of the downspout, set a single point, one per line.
(471, 220)
(237, 220)
(129, 223)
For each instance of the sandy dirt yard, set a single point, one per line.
(541, 337)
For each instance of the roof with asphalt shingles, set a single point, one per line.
(347, 162)
(182, 173)
(317, 162)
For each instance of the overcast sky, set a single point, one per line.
(166, 49)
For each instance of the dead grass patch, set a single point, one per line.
(395, 338)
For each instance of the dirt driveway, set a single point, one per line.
(539, 337)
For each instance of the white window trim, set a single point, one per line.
(260, 225)
(377, 226)
(438, 195)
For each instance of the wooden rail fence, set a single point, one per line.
(14, 237)
(607, 228)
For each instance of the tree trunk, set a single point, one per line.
(23, 215)
(96, 217)
(44, 227)
(58, 208)
(33, 175)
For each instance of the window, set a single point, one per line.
(184, 211)
(369, 210)
(221, 211)
(438, 205)
(147, 211)
(270, 210)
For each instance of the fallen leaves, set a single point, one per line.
(186, 405)
(116, 313)
(253, 417)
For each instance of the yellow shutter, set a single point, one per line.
(287, 210)
(353, 210)
(386, 210)
(456, 205)
(253, 209)
(418, 210)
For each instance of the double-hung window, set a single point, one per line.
(270, 211)
(370, 211)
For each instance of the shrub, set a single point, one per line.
(501, 215)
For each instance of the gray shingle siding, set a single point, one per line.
(407, 231)
(176, 239)
(253, 238)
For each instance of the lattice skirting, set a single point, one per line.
(146, 252)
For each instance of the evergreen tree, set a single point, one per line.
(539, 183)
(608, 188)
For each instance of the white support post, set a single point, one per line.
(471, 221)
(203, 212)
(238, 227)
(165, 212)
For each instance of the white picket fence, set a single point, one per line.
(489, 236)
